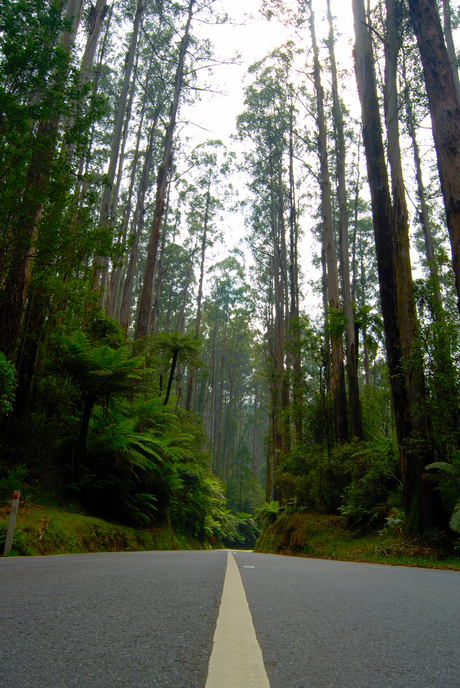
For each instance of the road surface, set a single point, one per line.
(152, 619)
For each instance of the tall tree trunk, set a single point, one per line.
(87, 61)
(146, 295)
(120, 272)
(285, 324)
(445, 115)
(138, 224)
(171, 376)
(180, 322)
(159, 280)
(411, 422)
(423, 215)
(356, 428)
(212, 418)
(109, 294)
(278, 344)
(14, 292)
(338, 372)
(188, 401)
(447, 16)
(221, 399)
(100, 262)
(294, 294)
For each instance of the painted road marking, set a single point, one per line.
(236, 658)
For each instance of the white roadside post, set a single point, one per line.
(12, 521)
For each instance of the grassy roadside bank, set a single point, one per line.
(325, 537)
(45, 530)
(48, 530)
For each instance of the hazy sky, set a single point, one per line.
(250, 35)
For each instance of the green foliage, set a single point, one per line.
(241, 531)
(337, 322)
(314, 478)
(176, 348)
(7, 384)
(19, 544)
(13, 480)
(355, 479)
(244, 493)
(374, 472)
(267, 514)
(243, 490)
(99, 371)
(448, 476)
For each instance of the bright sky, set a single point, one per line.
(252, 37)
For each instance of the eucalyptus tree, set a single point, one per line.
(39, 111)
(206, 194)
(338, 372)
(267, 122)
(447, 26)
(445, 115)
(176, 296)
(412, 424)
(411, 120)
(100, 262)
(350, 329)
(226, 312)
(146, 295)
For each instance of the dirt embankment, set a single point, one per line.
(47, 530)
(322, 536)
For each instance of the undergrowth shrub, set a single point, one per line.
(447, 475)
(240, 531)
(314, 479)
(7, 384)
(374, 471)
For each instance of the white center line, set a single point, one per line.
(236, 659)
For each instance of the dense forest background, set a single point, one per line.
(156, 371)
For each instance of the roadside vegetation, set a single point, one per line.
(325, 536)
(155, 376)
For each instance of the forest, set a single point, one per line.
(154, 369)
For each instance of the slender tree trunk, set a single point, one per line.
(212, 433)
(101, 262)
(188, 401)
(356, 428)
(221, 398)
(254, 437)
(159, 280)
(180, 323)
(120, 273)
(447, 15)
(87, 62)
(285, 324)
(445, 115)
(278, 349)
(424, 217)
(14, 292)
(82, 183)
(138, 224)
(411, 422)
(171, 376)
(294, 294)
(338, 372)
(146, 295)
(109, 296)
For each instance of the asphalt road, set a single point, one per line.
(147, 619)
